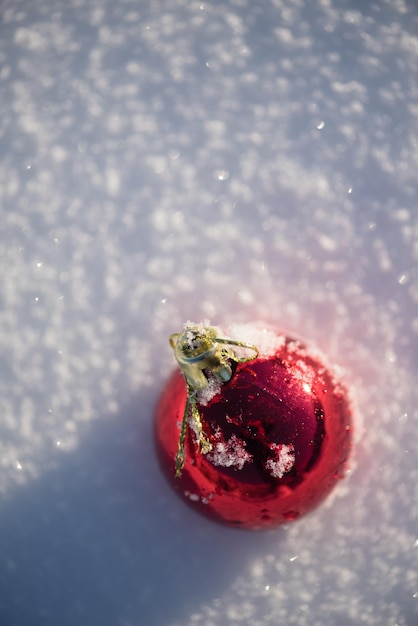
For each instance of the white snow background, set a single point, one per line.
(166, 160)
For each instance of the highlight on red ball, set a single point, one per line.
(252, 430)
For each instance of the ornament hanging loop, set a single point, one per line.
(201, 353)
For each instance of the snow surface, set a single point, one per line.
(169, 160)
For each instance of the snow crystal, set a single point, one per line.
(283, 462)
(230, 454)
(204, 396)
(190, 329)
(267, 341)
(192, 496)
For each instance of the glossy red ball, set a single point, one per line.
(280, 431)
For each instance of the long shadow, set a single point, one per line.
(101, 539)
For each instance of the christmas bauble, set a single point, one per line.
(278, 430)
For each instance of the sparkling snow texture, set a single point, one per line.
(230, 454)
(169, 160)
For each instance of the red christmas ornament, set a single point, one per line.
(251, 434)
